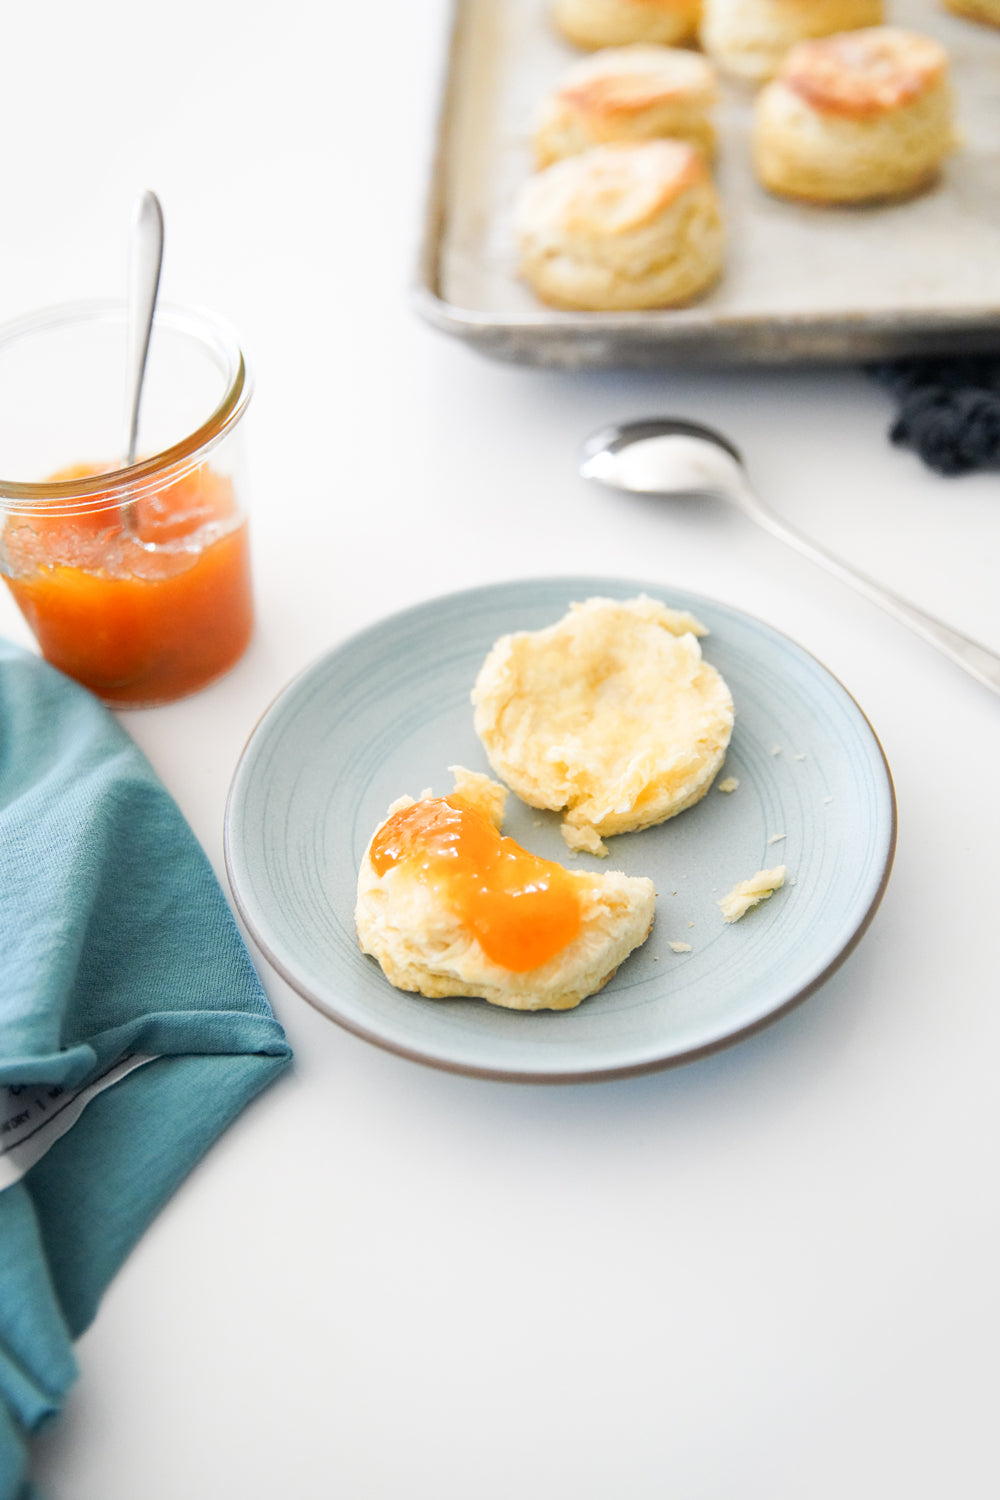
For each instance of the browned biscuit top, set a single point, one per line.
(864, 73)
(628, 80)
(618, 188)
(809, 7)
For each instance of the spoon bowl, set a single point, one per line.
(663, 457)
(679, 459)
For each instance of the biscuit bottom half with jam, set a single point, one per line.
(448, 906)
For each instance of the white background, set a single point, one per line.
(765, 1276)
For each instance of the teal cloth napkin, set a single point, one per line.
(115, 940)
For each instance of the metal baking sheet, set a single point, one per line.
(802, 283)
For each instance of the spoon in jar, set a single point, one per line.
(145, 260)
(667, 456)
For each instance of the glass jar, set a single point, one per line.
(134, 580)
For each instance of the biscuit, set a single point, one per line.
(411, 917)
(616, 23)
(987, 11)
(749, 38)
(862, 116)
(627, 225)
(611, 715)
(629, 93)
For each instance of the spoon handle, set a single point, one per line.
(977, 660)
(145, 259)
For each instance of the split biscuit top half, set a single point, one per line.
(611, 716)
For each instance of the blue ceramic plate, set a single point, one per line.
(388, 712)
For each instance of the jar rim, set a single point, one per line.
(79, 494)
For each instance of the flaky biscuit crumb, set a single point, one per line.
(747, 893)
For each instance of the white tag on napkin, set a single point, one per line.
(34, 1115)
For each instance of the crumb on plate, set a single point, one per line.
(747, 893)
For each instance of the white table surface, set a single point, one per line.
(772, 1273)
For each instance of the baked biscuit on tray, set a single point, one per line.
(623, 226)
(857, 117)
(629, 93)
(615, 23)
(987, 11)
(749, 38)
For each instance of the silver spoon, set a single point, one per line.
(667, 456)
(145, 259)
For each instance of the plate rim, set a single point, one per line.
(590, 1074)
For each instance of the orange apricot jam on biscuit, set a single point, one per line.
(142, 603)
(523, 910)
